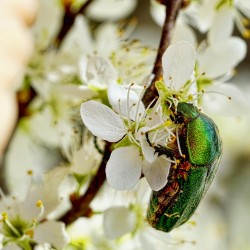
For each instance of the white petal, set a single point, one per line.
(178, 64)
(123, 169)
(118, 99)
(75, 91)
(12, 246)
(156, 173)
(147, 150)
(102, 121)
(222, 105)
(107, 39)
(100, 72)
(244, 6)
(52, 232)
(183, 32)
(118, 221)
(222, 27)
(79, 38)
(220, 58)
(102, 10)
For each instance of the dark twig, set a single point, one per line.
(172, 9)
(68, 21)
(81, 205)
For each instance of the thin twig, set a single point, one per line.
(81, 205)
(68, 21)
(172, 9)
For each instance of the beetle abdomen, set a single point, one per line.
(177, 201)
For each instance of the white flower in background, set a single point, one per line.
(116, 9)
(215, 65)
(205, 11)
(181, 31)
(127, 122)
(119, 223)
(85, 160)
(23, 220)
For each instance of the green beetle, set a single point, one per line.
(198, 158)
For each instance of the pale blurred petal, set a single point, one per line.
(222, 27)
(102, 121)
(123, 169)
(116, 9)
(221, 58)
(52, 232)
(182, 32)
(79, 38)
(222, 105)
(118, 221)
(178, 64)
(72, 92)
(100, 72)
(148, 151)
(156, 173)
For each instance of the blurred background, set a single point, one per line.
(222, 219)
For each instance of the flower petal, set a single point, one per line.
(237, 105)
(222, 26)
(156, 173)
(118, 221)
(102, 121)
(183, 32)
(228, 54)
(52, 232)
(124, 174)
(147, 150)
(118, 99)
(178, 64)
(100, 72)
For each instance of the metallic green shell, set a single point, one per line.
(202, 141)
(190, 179)
(176, 202)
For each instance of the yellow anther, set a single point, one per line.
(30, 233)
(246, 34)
(193, 223)
(246, 21)
(167, 123)
(5, 216)
(30, 172)
(39, 203)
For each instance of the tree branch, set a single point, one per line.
(68, 21)
(172, 9)
(81, 205)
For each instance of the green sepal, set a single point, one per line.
(125, 142)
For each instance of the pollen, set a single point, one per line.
(30, 172)
(167, 123)
(5, 216)
(30, 233)
(246, 34)
(39, 203)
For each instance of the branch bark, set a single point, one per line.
(68, 21)
(81, 205)
(172, 9)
